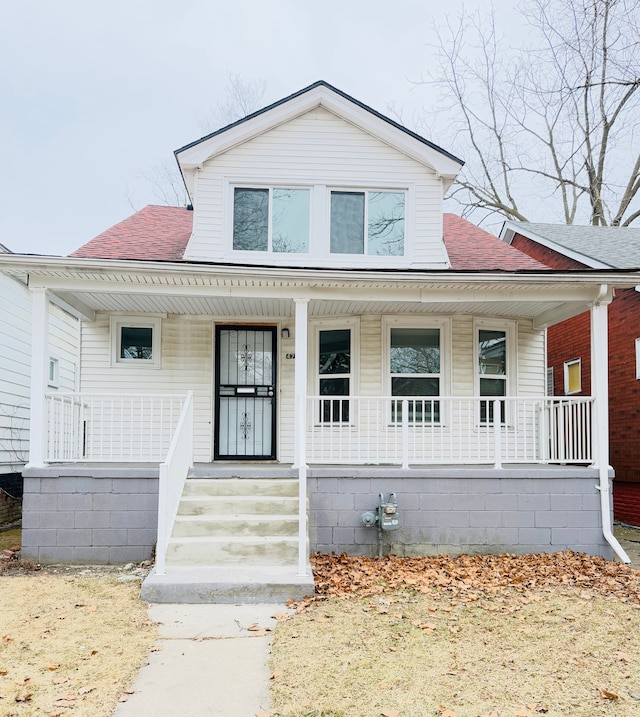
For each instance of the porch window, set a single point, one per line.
(271, 219)
(414, 362)
(54, 372)
(492, 370)
(367, 222)
(135, 340)
(334, 374)
(572, 377)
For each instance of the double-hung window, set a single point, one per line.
(271, 219)
(367, 222)
(415, 370)
(335, 374)
(492, 351)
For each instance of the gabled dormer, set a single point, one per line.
(317, 180)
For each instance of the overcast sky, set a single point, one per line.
(94, 95)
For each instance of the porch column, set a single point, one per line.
(300, 382)
(302, 307)
(39, 376)
(600, 392)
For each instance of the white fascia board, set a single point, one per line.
(29, 264)
(193, 157)
(510, 229)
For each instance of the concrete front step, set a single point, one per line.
(218, 526)
(229, 584)
(241, 486)
(238, 505)
(228, 550)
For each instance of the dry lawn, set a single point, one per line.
(70, 644)
(462, 637)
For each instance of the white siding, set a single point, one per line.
(186, 365)
(322, 149)
(15, 373)
(15, 366)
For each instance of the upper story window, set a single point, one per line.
(320, 221)
(368, 222)
(271, 219)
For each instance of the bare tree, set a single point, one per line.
(240, 98)
(557, 121)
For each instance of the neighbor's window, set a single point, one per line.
(638, 358)
(414, 362)
(550, 385)
(135, 340)
(271, 219)
(367, 222)
(572, 376)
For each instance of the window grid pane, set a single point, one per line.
(251, 219)
(347, 223)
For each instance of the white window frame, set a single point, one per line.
(270, 186)
(510, 329)
(53, 377)
(422, 322)
(567, 366)
(637, 359)
(117, 323)
(337, 324)
(366, 191)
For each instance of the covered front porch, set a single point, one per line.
(455, 447)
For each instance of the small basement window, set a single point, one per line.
(135, 341)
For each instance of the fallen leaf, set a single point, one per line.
(24, 697)
(275, 674)
(156, 648)
(623, 656)
(60, 680)
(86, 690)
(254, 627)
(264, 713)
(523, 712)
(260, 633)
(446, 712)
(52, 667)
(390, 713)
(608, 695)
(281, 616)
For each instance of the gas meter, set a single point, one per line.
(388, 512)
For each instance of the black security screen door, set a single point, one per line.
(245, 406)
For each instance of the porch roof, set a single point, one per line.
(84, 286)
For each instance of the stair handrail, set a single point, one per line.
(172, 477)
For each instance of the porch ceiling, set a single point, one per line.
(86, 286)
(279, 308)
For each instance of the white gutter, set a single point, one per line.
(600, 390)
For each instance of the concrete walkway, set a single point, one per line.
(209, 663)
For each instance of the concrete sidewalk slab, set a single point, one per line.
(209, 665)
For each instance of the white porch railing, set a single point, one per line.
(448, 430)
(111, 427)
(173, 474)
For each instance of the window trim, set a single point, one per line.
(117, 323)
(443, 324)
(313, 383)
(53, 378)
(637, 359)
(567, 367)
(511, 334)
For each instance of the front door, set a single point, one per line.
(245, 405)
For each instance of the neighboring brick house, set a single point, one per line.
(568, 343)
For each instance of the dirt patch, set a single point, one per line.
(71, 640)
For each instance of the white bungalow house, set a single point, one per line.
(315, 332)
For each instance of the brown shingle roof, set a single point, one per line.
(158, 233)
